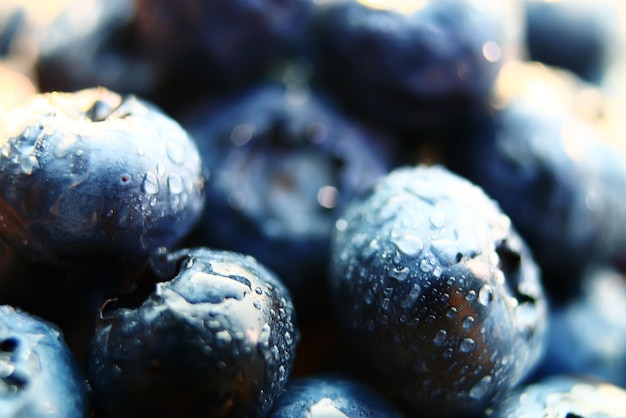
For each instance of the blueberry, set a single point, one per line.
(565, 396)
(282, 164)
(587, 335)
(96, 179)
(331, 395)
(413, 64)
(96, 44)
(39, 374)
(440, 297)
(217, 338)
(553, 173)
(221, 43)
(581, 36)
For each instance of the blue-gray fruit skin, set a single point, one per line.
(40, 377)
(216, 339)
(332, 395)
(91, 175)
(283, 163)
(413, 64)
(563, 395)
(438, 294)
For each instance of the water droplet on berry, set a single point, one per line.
(175, 183)
(409, 244)
(28, 164)
(467, 345)
(223, 338)
(410, 299)
(468, 322)
(176, 152)
(479, 390)
(400, 273)
(485, 295)
(150, 184)
(440, 337)
(6, 150)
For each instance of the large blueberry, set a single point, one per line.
(282, 163)
(439, 295)
(413, 64)
(39, 377)
(96, 177)
(331, 395)
(216, 339)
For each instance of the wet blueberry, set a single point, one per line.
(38, 374)
(217, 338)
(96, 179)
(565, 396)
(413, 64)
(439, 295)
(331, 395)
(282, 163)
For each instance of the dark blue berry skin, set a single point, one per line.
(223, 42)
(415, 66)
(562, 186)
(282, 164)
(39, 374)
(587, 335)
(580, 36)
(216, 339)
(438, 294)
(96, 179)
(331, 395)
(566, 396)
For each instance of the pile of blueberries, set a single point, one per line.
(313, 208)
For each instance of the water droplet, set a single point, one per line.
(467, 345)
(452, 312)
(288, 338)
(468, 322)
(176, 152)
(175, 183)
(400, 273)
(411, 297)
(409, 244)
(150, 184)
(471, 295)
(223, 338)
(256, 304)
(440, 337)
(479, 390)
(6, 150)
(28, 164)
(485, 295)
(448, 353)
(258, 290)
(437, 271)
(438, 220)
(425, 266)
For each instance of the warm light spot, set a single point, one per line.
(399, 6)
